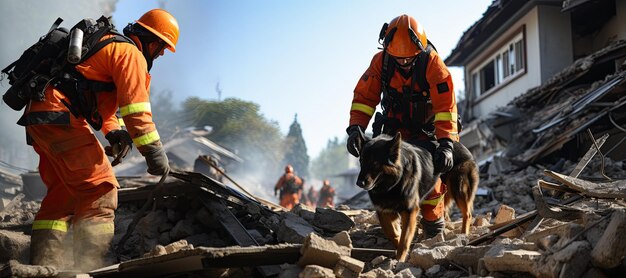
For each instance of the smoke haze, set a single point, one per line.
(21, 24)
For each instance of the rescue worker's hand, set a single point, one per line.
(120, 144)
(355, 139)
(442, 159)
(156, 159)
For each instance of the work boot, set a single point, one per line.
(46, 247)
(91, 244)
(432, 228)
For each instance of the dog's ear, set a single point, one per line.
(394, 148)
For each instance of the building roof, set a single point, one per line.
(495, 20)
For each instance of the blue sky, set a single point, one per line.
(290, 57)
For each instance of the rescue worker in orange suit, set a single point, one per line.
(425, 114)
(82, 188)
(326, 197)
(290, 187)
(311, 197)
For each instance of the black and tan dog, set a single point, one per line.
(397, 175)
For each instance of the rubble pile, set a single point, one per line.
(192, 217)
(512, 186)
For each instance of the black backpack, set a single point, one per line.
(408, 100)
(46, 63)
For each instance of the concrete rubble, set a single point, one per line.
(182, 225)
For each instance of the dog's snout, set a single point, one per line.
(360, 183)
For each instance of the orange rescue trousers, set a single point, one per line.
(82, 190)
(289, 200)
(432, 207)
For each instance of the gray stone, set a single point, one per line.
(378, 273)
(182, 229)
(468, 256)
(319, 251)
(409, 272)
(348, 267)
(433, 270)
(426, 258)
(343, 239)
(316, 271)
(14, 246)
(499, 258)
(332, 220)
(289, 271)
(293, 229)
(611, 248)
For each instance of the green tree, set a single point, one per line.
(239, 126)
(331, 161)
(295, 151)
(165, 114)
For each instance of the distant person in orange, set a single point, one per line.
(311, 197)
(326, 196)
(290, 187)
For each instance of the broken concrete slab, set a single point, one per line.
(426, 258)
(293, 229)
(332, 220)
(498, 258)
(611, 248)
(319, 251)
(316, 271)
(14, 246)
(468, 256)
(348, 267)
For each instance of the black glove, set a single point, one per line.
(120, 144)
(156, 159)
(355, 139)
(442, 159)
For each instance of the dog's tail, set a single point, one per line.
(462, 184)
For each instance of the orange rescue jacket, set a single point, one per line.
(125, 66)
(367, 95)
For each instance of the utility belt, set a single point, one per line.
(82, 96)
(82, 100)
(390, 126)
(416, 111)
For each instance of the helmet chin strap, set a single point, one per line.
(151, 56)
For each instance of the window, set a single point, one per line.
(519, 55)
(487, 77)
(505, 64)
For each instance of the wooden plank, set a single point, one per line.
(558, 187)
(588, 156)
(575, 173)
(232, 225)
(607, 190)
(560, 213)
(238, 232)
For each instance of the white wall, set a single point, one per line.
(490, 102)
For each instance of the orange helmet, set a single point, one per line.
(163, 25)
(404, 36)
(288, 169)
